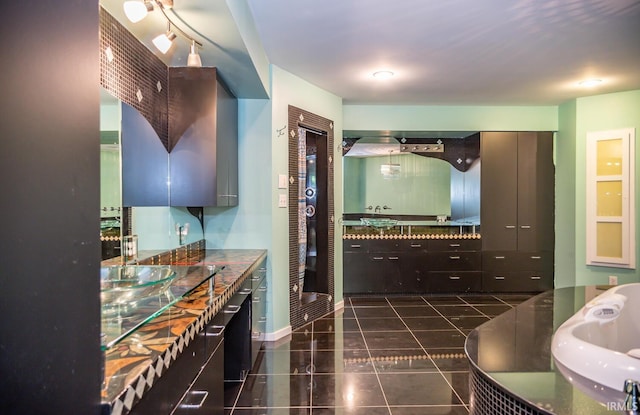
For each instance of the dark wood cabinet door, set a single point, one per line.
(145, 162)
(499, 184)
(227, 147)
(535, 191)
(356, 273)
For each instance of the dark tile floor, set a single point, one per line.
(377, 356)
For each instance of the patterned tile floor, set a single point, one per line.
(378, 356)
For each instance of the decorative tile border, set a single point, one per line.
(423, 236)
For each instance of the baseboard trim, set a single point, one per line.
(278, 334)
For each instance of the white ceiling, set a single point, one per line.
(448, 52)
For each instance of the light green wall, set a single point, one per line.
(600, 113)
(449, 118)
(109, 179)
(288, 89)
(257, 222)
(565, 224)
(422, 187)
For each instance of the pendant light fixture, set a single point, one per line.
(194, 58)
(136, 10)
(390, 170)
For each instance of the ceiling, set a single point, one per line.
(453, 52)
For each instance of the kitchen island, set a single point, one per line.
(136, 359)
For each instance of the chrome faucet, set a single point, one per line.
(385, 207)
(377, 210)
(632, 401)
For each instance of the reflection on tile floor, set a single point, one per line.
(401, 355)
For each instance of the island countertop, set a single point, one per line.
(135, 361)
(512, 354)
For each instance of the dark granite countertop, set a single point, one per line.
(134, 358)
(514, 351)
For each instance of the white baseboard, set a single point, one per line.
(339, 305)
(278, 334)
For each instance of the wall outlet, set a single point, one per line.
(613, 280)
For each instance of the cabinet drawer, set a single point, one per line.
(517, 281)
(232, 307)
(415, 245)
(349, 245)
(497, 261)
(454, 282)
(206, 394)
(454, 261)
(384, 245)
(454, 245)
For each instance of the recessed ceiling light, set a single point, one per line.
(383, 74)
(588, 83)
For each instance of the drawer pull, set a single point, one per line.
(498, 257)
(393, 258)
(510, 227)
(454, 277)
(536, 257)
(262, 289)
(192, 397)
(454, 245)
(416, 246)
(454, 257)
(356, 246)
(536, 277)
(525, 227)
(255, 299)
(245, 291)
(378, 258)
(217, 333)
(231, 309)
(499, 277)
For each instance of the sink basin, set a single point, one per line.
(123, 287)
(380, 223)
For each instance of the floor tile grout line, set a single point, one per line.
(429, 354)
(375, 370)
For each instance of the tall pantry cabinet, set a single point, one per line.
(517, 211)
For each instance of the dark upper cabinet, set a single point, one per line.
(145, 162)
(203, 137)
(517, 183)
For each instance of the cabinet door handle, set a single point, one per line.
(454, 257)
(256, 299)
(202, 395)
(536, 257)
(393, 258)
(510, 226)
(215, 333)
(499, 277)
(536, 277)
(454, 277)
(245, 291)
(416, 246)
(498, 257)
(262, 289)
(454, 245)
(378, 258)
(525, 227)
(231, 309)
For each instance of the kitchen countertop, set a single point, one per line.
(152, 347)
(514, 351)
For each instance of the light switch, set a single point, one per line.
(282, 181)
(282, 200)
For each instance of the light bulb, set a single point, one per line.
(137, 10)
(164, 41)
